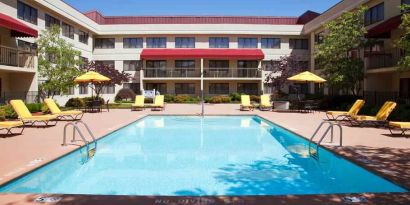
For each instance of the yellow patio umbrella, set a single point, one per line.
(91, 77)
(307, 77)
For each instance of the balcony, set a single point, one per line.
(232, 73)
(382, 60)
(16, 57)
(171, 73)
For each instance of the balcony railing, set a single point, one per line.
(171, 73)
(232, 73)
(16, 57)
(383, 60)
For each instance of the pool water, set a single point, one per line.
(193, 156)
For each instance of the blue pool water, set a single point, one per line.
(191, 156)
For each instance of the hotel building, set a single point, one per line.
(184, 54)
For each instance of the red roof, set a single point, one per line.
(183, 53)
(100, 19)
(384, 27)
(18, 29)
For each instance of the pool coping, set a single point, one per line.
(231, 199)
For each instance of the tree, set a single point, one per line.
(404, 41)
(343, 35)
(286, 67)
(58, 62)
(117, 77)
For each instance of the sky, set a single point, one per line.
(203, 7)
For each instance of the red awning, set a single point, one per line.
(384, 28)
(213, 53)
(17, 28)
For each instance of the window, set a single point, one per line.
(374, 14)
(219, 42)
(132, 65)
(110, 64)
(248, 88)
(26, 46)
(270, 65)
(184, 88)
(26, 12)
(270, 43)
(68, 31)
(51, 21)
(156, 64)
(133, 86)
(184, 42)
(298, 44)
(160, 87)
(219, 64)
(157, 42)
(184, 64)
(247, 64)
(219, 88)
(83, 89)
(83, 37)
(84, 62)
(70, 91)
(105, 43)
(247, 43)
(405, 2)
(319, 38)
(133, 42)
(108, 89)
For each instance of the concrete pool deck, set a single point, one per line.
(372, 148)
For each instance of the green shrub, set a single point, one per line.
(125, 94)
(401, 113)
(87, 99)
(169, 98)
(182, 98)
(10, 114)
(149, 100)
(341, 102)
(255, 98)
(75, 102)
(2, 114)
(235, 97)
(34, 107)
(220, 99)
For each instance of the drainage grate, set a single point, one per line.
(47, 199)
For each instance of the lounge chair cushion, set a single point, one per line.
(41, 118)
(10, 124)
(337, 113)
(265, 101)
(20, 108)
(70, 112)
(55, 110)
(401, 125)
(245, 101)
(139, 101)
(158, 101)
(354, 110)
(365, 118)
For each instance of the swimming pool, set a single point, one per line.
(193, 156)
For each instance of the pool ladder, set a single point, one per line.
(90, 151)
(330, 128)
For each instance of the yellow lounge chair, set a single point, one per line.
(402, 126)
(138, 104)
(9, 125)
(346, 115)
(265, 104)
(379, 119)
(63, 115)
(246, 103)
(28, 119)
(158, 103)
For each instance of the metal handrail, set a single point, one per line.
(77, 129)
(330, 128)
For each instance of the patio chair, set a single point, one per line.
(63, 115)
(246, 103)
(28, 119)
(10, 125)
(138, 104)
(158, 103)
(346, 115)
(380, 119)
(403, 127)
(265, 104)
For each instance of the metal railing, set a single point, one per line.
(232, 73)
(171, 73)
(27, 97)
(378, 97)
(16, 57)
(382, 60)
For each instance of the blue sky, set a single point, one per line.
(203, 7)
